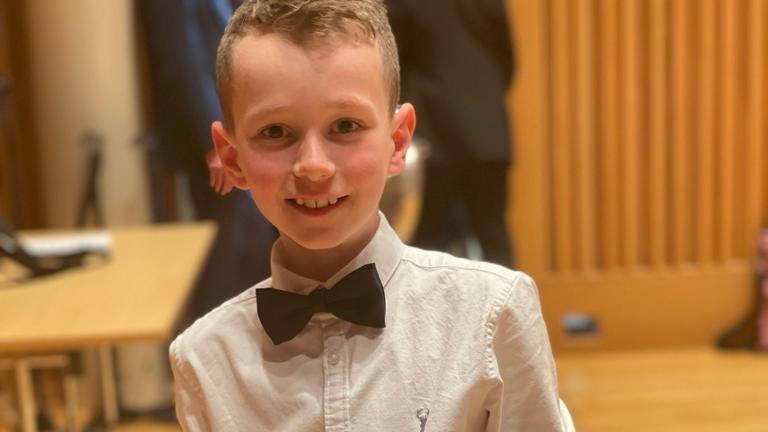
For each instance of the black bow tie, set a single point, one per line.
(358, 298)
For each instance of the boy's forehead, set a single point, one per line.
(276, 53)
(262, 58)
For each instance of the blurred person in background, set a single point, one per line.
(181, 41)
(456, 62)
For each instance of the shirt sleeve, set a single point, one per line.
(190, 409)
(520, 357)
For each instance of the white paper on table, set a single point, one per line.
(59, 244)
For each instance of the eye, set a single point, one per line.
(345, 126)
(274, 131)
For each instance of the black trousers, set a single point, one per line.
(465, 199)
(239, 256)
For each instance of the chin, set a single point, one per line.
(330, 236)
(316, 241)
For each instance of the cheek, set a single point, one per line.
(366, 168)
(368, 162)
(262, 171)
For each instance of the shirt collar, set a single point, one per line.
(384, 249)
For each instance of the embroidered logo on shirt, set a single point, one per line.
(422, 414)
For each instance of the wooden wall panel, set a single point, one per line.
(630, 134)
(755, 153)
(20, 201)
(562, 133)
(530, 105)
(704, 178)
(649, 161)
(609, 219)
(585, 134)
(5, 69)
(658, 132)
(682, 122)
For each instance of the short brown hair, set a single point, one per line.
(304, 20)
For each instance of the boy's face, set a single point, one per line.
(313, 139)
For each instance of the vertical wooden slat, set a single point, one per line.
(756, 170)
(682, 136)
(657, 175)
(764, 161)
(532, 226)
(609, 133)
(562, 134)
(739, 146)
(585, 136)
(630, 46)
(727, 138)
(705, 179)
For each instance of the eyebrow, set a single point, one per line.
(347, 102)
(262, 110)
(351, 102)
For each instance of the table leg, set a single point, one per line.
(27, 404)
(108, 391)
(71, 402)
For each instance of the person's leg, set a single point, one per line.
(252, 235)
(208, 205)
(434, 230)
(239, 256)
(484, 194)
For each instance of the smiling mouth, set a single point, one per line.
(318, 203)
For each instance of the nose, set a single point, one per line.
(312, 161)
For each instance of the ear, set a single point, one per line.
(403, 124)
(227, 152)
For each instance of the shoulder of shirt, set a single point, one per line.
(428, 261)
(206, 327)
(504, 290)
(495, 295)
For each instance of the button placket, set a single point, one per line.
(335, 392)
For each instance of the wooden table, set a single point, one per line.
(674, 390)
(135, 295)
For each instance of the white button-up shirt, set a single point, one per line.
(464, 349)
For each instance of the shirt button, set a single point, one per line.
(333, 358)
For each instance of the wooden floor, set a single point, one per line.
(147, 427)
(683, 390)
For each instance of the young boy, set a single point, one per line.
(354, 331)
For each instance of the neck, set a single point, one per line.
(321, 264)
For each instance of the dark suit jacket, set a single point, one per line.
(456, 61)
(182, 37)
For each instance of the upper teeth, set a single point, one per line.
(316, 203)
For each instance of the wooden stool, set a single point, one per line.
(22, 367)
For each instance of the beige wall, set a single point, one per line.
(84, 74)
